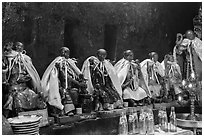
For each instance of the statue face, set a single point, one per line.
(190, 35)
(65, 52)
(137, 61)
(7, 48)
(102, 54)
(155, 57)
(170, 58)
(130, 56)
(19, 47)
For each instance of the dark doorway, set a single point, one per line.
(110, 41)
(70, 25)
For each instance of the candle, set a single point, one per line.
(183, 82)
(66, 86)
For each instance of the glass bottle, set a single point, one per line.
(123, 125)
(142, 122)
(164, 120)
(131, 124)
(136, 122)
(150, 122)
(160, 117)
(173, 122)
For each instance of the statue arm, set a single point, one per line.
(160, 70)
(126, 83)
(93, 71)
(94, 79)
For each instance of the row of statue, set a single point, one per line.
(108, 85)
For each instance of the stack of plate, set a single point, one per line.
(27, 124)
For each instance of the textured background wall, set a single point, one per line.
(142, 27)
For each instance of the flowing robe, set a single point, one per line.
(152, 73)
(24, 83)
(173, 75)
(103, 73)
(130, 76)
(57, 83)
(193, 55)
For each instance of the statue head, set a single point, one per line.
(129, 55)
(91, 61)
(18, 46)
(101, 54)
(64, 52)
(190, 35)
(137, 61)
(169, 57)
(153, 56)
(7, 48)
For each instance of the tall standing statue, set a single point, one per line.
(188, 54)
(103, 80)
(173, 75)
(131, 79)
(153, 73)
(23, 82)
(61, 84)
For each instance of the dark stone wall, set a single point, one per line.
(173, 18)
(159, 35)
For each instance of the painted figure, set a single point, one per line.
(103, 81)
(172, 75)
(22, 80)
(153, 74)
(131, 79)
(61, 84)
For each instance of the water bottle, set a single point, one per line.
(150, 122)
(131, 124)
(142, 122)
(164, 120)
(126, 124)
(173, 122)
(160, 117)
(123, 126)
(136, 122)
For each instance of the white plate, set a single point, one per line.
(25, 124)
(28, 129)
(25, 127)
(26, 132)
(25, 119)
(34, 133)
